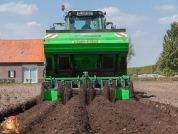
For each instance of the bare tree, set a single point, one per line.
(131, 52)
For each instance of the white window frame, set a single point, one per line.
(11, 73)
(30, 72)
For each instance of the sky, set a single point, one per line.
(146, 22)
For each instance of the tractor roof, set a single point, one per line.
(84, 13)
(84, 10)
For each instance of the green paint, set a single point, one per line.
(121, 94)
(83, 50)
(50, 95)
(108, 43)
(125, 77)
(83, 78)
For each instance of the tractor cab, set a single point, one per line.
(84, 20)
(81, 20)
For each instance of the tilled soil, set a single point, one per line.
(131, 116)
(99, 116)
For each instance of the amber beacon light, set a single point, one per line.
(63, 7)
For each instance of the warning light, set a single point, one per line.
(63, 7)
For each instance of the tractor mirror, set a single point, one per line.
(107, 23)
(52, 27)
(110, 23)
(113, 26)
(61, 24)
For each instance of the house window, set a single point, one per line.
(29, 73)
(11, 73)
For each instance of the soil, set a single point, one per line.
(10, 96)
(163, 92)
(97, 114)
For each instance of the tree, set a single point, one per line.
(157, 66)
(168, 60)
(131, 52)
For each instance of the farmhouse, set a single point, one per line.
(21, 60)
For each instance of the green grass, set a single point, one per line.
(18, 83)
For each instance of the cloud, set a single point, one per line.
(33, 23)
(26, 31)
(138, 34)
(168, 20)
(165, 7)
(147, 49)
(3, 36)
(122, 19)
(19, 8)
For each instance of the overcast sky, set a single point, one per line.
(146, 22)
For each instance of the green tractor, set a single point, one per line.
(86, 58)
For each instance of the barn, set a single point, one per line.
(21, 60)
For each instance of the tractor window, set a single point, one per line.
(102, 23)
(123, 64)
(66, 22)
(108, 63)
(89, 22)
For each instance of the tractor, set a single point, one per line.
(86, 58)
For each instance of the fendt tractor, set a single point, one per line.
(86, 58)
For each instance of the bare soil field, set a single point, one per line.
(100, 116)
(17, 94)
(164, 92)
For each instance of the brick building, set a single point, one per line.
(21, 60)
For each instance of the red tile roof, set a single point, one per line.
(21, 51)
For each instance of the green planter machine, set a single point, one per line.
(86, 55)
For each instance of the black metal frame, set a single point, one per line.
(86, 30)
(73, 72)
